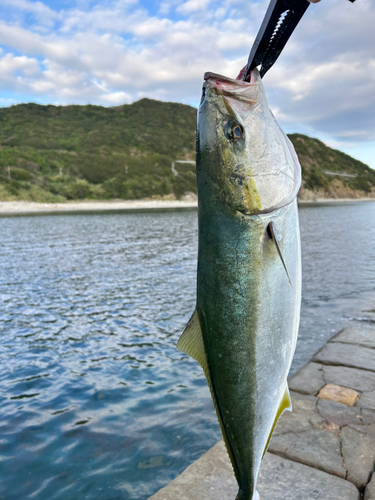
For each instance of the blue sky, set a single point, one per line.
(115, 52)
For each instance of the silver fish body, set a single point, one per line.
(245, 326)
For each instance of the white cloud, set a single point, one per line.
(10, 64)
(116, 51)
(34, 7)
(116, 97)
(193, 6)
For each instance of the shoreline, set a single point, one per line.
(18, 208)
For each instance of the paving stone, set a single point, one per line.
(367, 416)
(338, 413)
(335, 353)
(354, 378)
(308, 380)
(281, 479)
(339, 394)
(305, 397)
(358, 449)
(364, 429)
(316, 448)
(211, 478)
(355, 335)
(370, 489)
(208, 478)
(303, 417)
(367, 400)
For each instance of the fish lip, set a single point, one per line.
(241, 83)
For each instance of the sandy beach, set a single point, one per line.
(12, 208)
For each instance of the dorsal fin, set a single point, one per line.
(286, 404)
(191, 343)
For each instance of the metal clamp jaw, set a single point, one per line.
(280, 21)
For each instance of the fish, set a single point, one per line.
(244, 329)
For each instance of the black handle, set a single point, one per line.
(280, 21)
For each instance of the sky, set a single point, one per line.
(115, 52)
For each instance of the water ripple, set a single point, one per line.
(95, 400)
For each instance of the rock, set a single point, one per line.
(303, 417)
(335, 353)
(358, 449)
(355, 335)
(367, 400)
(308, 380)
(331, 427)
(339, 394)
(364, 429)
(208, 478)
(281, 479)
(368, 416)
(211, 478)
(354, 378)
(316, 448)
(303, 397)
(370, 489)
(338, 413)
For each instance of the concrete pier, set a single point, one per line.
(324, 449)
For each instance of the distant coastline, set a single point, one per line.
(332, 201)
(14, 208)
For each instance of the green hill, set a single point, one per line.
(58, 153)
(327, 172)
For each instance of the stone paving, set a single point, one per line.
(324, 449)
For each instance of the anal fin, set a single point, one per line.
(191, 343)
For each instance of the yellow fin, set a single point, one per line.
(191, 343)
(286, 404)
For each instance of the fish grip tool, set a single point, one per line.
(280, 21)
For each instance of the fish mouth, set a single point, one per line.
(229, 84)
(239, 95)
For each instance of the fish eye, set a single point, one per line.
(236, 132)
(233, 131)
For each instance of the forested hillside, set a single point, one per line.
(145, 149)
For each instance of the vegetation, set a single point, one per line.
(330, 172)
(58, 153)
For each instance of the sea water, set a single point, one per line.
(95, 401)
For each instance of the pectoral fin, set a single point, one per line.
(271, 234)
(286, 404)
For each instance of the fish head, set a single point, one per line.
(244, 159)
